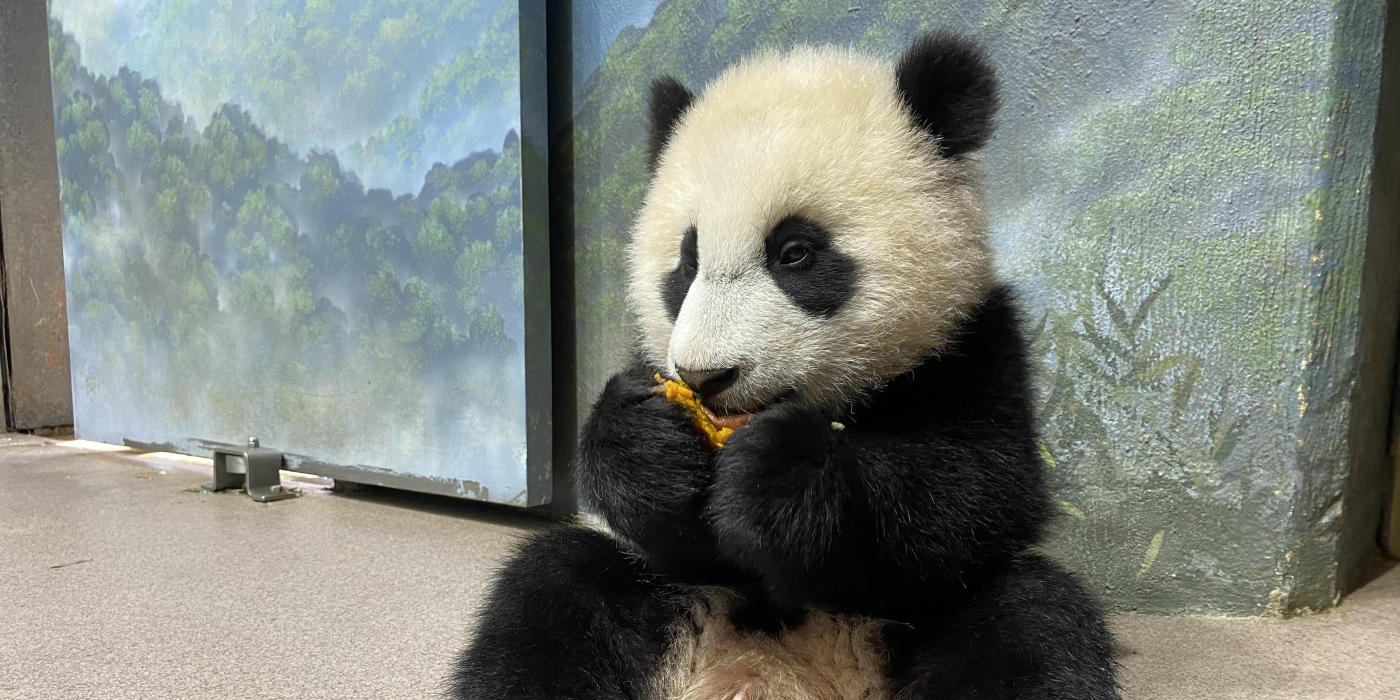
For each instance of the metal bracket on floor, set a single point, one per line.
(254, 469)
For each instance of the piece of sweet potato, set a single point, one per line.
(716, 429)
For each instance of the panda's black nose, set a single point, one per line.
(708, 382)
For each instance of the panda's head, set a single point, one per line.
(814, 225)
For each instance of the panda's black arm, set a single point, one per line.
(936, 482)
(826, 516)
(644, 467)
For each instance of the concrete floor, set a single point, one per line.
(117, 581)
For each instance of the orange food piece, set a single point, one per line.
(716, 429)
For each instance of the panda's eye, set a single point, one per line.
(794, 254)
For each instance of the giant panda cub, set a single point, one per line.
(812, 253)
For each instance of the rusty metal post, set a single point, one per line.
(37, 383)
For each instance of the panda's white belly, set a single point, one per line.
(829, 657)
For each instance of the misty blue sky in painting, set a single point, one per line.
(391, 87)
(595, 25)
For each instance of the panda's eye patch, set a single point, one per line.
(808, 267)
(677, 282)
(690, 252)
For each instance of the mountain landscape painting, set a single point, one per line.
(308, 222)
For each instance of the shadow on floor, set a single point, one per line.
(480, 511)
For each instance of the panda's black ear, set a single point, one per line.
(948, 84)
(669, 100)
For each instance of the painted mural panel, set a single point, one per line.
(1177, 188)
(303, 221)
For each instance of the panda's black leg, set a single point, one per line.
(1034, 633)
(572, 614)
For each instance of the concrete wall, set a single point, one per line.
(1183, 192)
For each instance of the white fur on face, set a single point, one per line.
(819, 133)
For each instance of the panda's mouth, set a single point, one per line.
(721, 412)
(726, 420)
(726, 414)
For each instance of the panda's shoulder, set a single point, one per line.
(982, 373)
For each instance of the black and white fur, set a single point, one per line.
(814, 227)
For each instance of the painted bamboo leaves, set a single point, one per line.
(1126, 413)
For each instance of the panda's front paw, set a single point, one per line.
(776, 496)
(788, 435)
(637, 438)
(643, 466)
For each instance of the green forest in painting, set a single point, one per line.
(1150, 183)
(270, 290)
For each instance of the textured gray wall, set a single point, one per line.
(38, 391)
